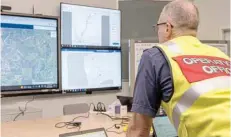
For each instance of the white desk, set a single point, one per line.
(8, 114)
(46, 127)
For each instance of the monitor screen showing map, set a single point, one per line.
(85, 26)
(90, 69)
(29, 53)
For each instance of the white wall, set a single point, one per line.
(214, 16)
(53, 105)
(51, 7)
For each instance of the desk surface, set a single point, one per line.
(46, 127)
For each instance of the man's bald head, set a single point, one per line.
(178, 18)
(182, 14)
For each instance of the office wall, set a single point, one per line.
(52, 105)
(51, 7)
(214, 16)
(138, 17)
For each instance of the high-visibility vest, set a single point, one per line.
(200, 103)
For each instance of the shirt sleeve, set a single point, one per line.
(153, 75)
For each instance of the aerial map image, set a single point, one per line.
(29, 55)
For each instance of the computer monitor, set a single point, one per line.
(90, 69)
(29, 53)
(99, 132)
(85, 26)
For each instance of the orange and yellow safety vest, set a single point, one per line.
(200, 104)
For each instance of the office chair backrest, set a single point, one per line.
(75, 108)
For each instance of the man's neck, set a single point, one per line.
(192, 33)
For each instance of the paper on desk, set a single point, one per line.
(164, 127)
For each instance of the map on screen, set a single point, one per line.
(90, 26)
(90, 69)
(29, 53)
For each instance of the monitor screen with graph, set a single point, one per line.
(84, 26)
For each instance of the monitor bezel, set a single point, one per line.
(36, 90)
(108, 47)
(83, 132)
(99, 89)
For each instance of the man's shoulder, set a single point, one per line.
(153, 53)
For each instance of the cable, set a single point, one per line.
(101, 107)
(112, 118)
(94, 109)
(22, 112)
(71, 124)
(68, 125)
(124, 122)
(117, 126)
(104, 107)
(88, 114)
(115, 118)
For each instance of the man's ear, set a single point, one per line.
(168, 29)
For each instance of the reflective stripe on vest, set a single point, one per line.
(173, 47)
(192, 94)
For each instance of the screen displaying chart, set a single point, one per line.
(90, 69)
(90, 26)
(28, 53)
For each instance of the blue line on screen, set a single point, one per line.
(19, 26)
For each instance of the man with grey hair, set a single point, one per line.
(189, 79)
